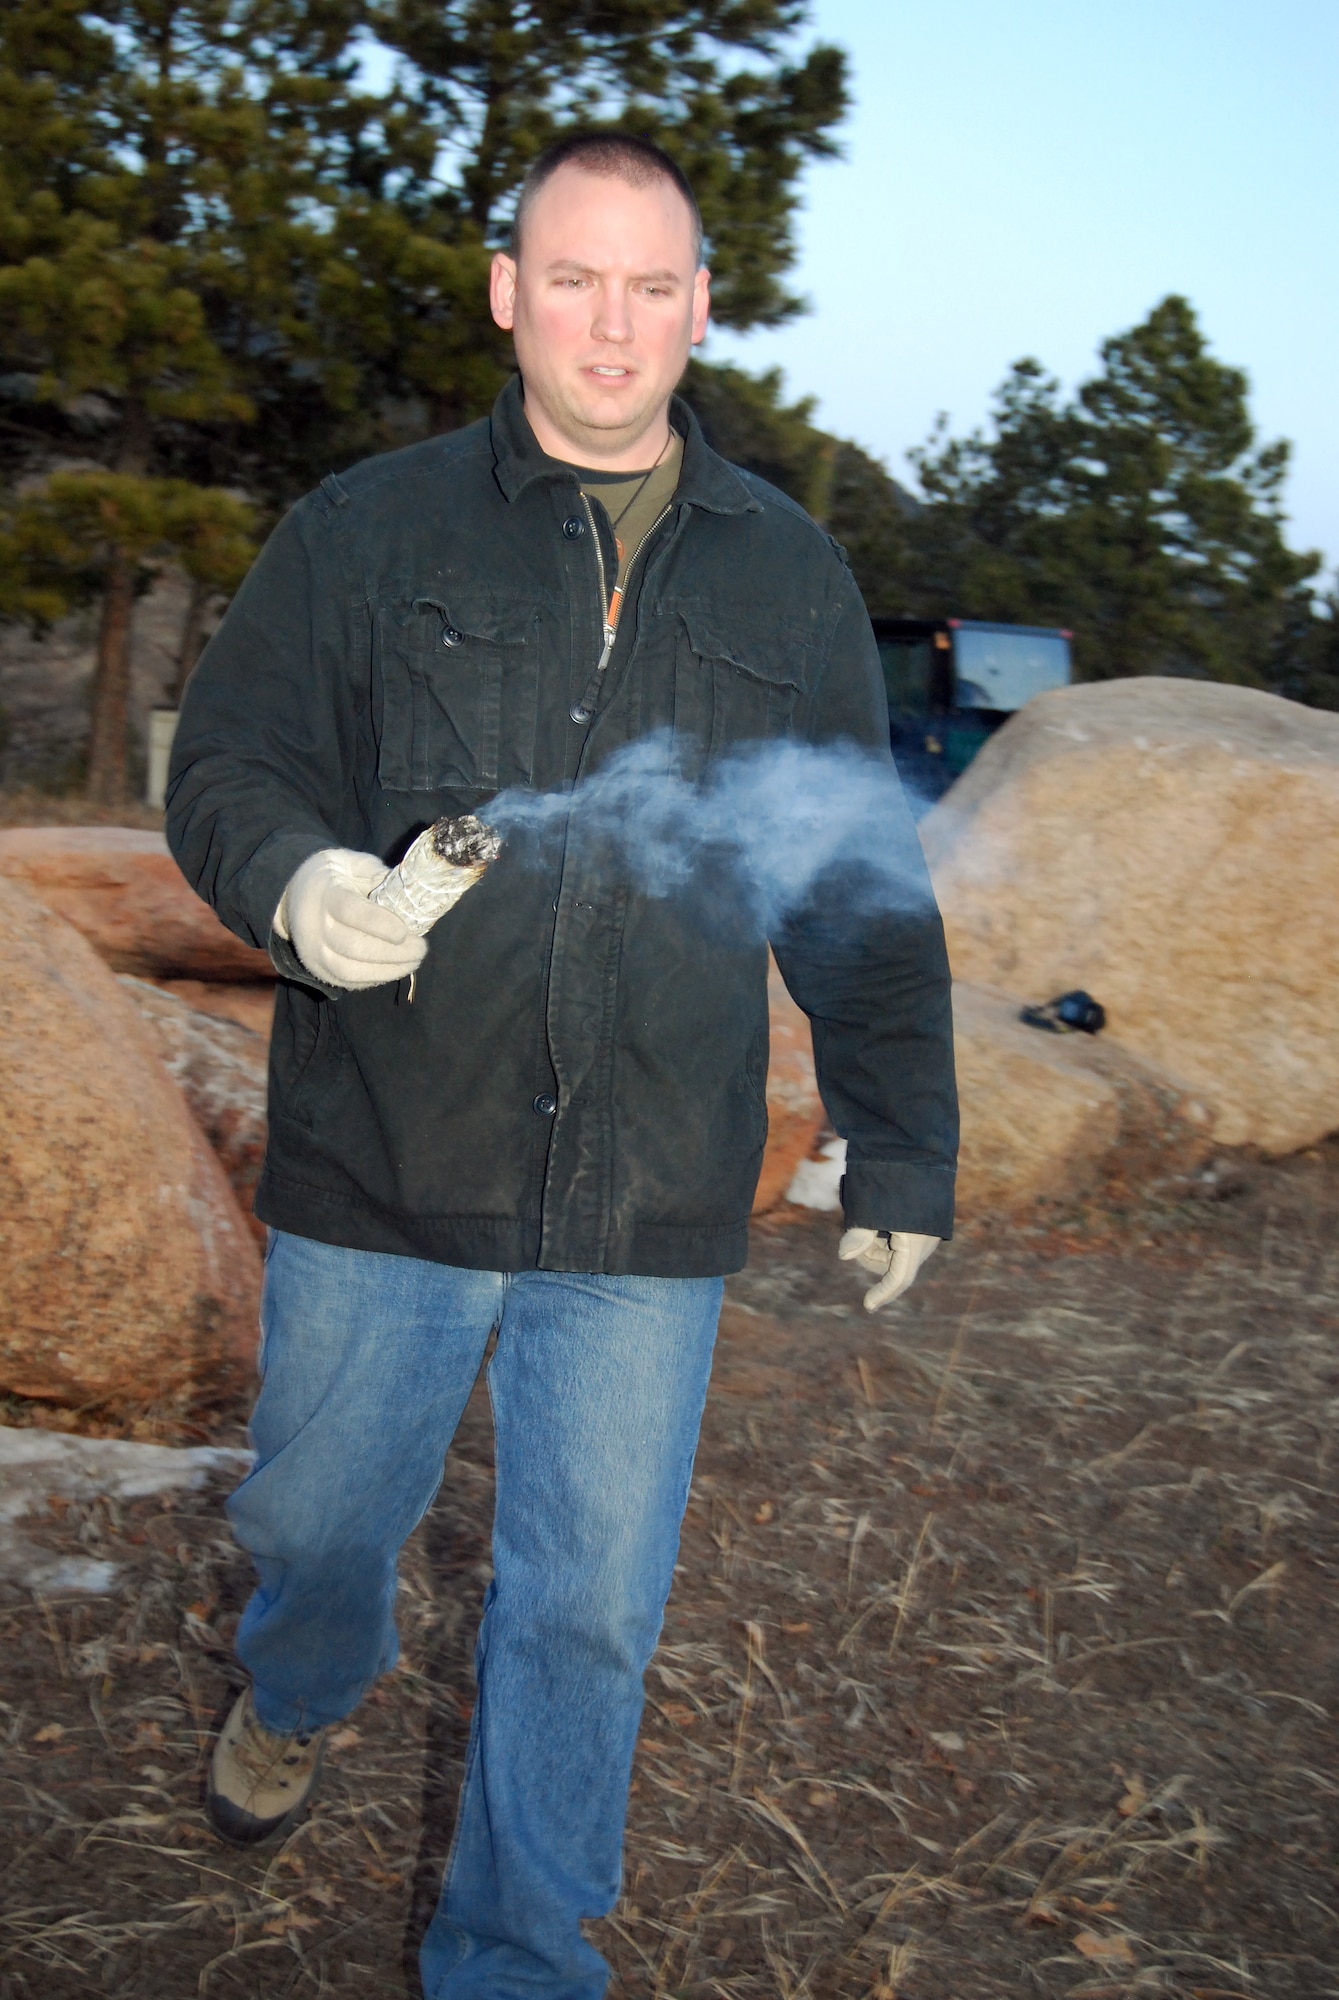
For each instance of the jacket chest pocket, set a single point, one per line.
(732, 685)
(459, 692)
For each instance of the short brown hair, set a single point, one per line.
(617, 155)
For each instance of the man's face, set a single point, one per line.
(604, 305)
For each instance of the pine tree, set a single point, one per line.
(1143, 513)
(709, 80)
(223, 260)
(191, 281)
(82, 536)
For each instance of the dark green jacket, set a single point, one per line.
(579, 1081)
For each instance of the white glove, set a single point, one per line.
(340, 937)
(894, 1257)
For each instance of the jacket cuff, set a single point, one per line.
(268, 873)
(289, 966)
(896, 1195)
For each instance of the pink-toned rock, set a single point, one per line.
(131, 1279)
(1173, 847)
(1050, 1119)
(229, 1000)
(123, 891)
(794, 1107)
(221, 1069)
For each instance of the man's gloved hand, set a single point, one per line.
(894, 1258)
(340, 937)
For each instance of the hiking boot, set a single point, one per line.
(260, 1784)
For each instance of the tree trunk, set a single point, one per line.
(192, 640)
(111, 686)
(106, 782)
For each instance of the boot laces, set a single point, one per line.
(260, 1752)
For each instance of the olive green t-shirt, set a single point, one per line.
(634, 502)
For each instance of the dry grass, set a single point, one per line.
(1002, 1661)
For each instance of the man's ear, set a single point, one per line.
(701, 304)
(502, 289)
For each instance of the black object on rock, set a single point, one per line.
(1068, 1014)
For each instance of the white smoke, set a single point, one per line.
(782, 820)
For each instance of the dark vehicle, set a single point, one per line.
(951, 683)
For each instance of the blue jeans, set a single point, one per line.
(597, 1387)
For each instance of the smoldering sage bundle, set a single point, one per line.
(446, 861)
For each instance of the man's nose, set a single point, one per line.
(612, 319)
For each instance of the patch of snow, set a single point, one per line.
(41, 1572)
(37, 1466)
(815, 1183)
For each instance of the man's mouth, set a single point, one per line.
(607, 372)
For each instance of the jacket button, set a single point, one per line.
(545, 1105)
(451, 637)
(579, 713)
(574, 527)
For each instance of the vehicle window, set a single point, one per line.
(1000, 669)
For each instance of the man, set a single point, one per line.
(546, 1120)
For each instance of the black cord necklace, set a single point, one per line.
(639, 488)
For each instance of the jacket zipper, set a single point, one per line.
(605, 605)
(611, 603)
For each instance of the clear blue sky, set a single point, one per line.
(1027, 178)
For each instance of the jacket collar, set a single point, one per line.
(706, 481)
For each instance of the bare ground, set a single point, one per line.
(1002, 1659)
